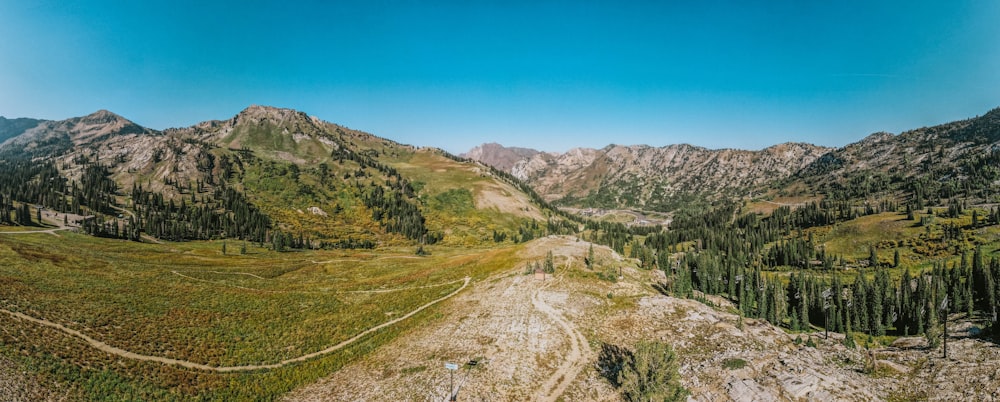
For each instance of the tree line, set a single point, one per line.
(725, 254)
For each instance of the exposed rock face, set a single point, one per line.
(643, 176)
(179, 155)
(499, 156)
(651, 178)
(56, 137)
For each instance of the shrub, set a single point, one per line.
(650, 374)
(734, 363)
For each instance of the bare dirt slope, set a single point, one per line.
(540, 340)
(18, 385)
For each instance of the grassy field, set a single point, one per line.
(919, 246)
(188, 301)
(453, 194)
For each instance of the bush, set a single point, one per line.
(734, 363)
(849, 342)
(650, 374)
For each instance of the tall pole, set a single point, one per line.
(826, 323)
(945, 322)
(451, 385)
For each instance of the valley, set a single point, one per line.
(276, 256)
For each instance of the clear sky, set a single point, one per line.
(549, 75)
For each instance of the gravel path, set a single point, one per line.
(575, 361)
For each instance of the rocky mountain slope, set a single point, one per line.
(928, 163)
(651, 178)
(499, 156)
(10, 128)
(314, 179)
(934, 161)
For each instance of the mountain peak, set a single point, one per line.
(499, 156)
(103, 117)
(262, 112)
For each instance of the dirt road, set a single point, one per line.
(575, 360)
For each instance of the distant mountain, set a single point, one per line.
(499, 156)
(266, 170)
(958, 158)
(47, 138)
(10, 128)
(652, 178)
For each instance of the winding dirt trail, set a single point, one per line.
(54, 220)
(198, 366)
(572, 364)
(49, 231)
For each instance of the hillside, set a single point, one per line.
(10, 128)
(924, 165)
(651, 178)
(316, 182)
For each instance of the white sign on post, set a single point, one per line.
(451, 366)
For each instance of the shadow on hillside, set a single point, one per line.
(662, 288)
(611, 360)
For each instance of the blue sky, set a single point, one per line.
(548, 75)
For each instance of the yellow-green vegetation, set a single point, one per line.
(459, 199)
(191, 302)
(734, 363)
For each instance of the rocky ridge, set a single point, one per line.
(499, 156)
(663, 178)
(641, 176)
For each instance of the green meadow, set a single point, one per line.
(189, 301)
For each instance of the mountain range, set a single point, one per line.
(289, 163)
(665, 178)
(755, 235)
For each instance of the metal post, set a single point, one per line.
(451, 386)
(945, 322)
